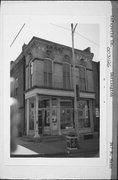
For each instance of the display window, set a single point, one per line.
(47, 117)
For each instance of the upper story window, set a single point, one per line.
(31, 73)
(82, 78)
(66, 76)
(48, 72)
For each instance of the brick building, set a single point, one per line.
(44, 71)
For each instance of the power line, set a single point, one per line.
(17, 34)
(76, 33)
(87, 38)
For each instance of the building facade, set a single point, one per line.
(48, 92)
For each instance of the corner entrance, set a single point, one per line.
(40, 121)
(48, 116)
(44, 116)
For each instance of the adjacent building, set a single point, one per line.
(17, 70)
(96, 79)
(44, 75)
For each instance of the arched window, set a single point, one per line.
(66, 76)
(48, 72)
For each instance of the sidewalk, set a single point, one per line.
(59, 148)
(23, 151)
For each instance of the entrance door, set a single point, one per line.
(40, 121)
(44, 121)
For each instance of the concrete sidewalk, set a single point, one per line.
(23, 151)
(59, 147)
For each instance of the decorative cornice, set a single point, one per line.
(52, 46)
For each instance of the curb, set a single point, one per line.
(66, 154)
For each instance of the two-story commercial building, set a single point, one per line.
(49, 93)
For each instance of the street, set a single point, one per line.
(57, 148)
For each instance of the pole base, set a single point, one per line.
(36, 135)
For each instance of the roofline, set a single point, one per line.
(48, 41)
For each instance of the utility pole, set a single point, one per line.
(74, 80)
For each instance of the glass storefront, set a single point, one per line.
(56, 115)
(43, 115)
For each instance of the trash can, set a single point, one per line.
(72, 142)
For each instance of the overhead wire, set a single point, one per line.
(59, 27)
(76, 33)
(17, 34)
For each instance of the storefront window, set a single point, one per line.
(84, 114)
(66, 114)
(47, 117)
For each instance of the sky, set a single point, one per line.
(86, 35)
